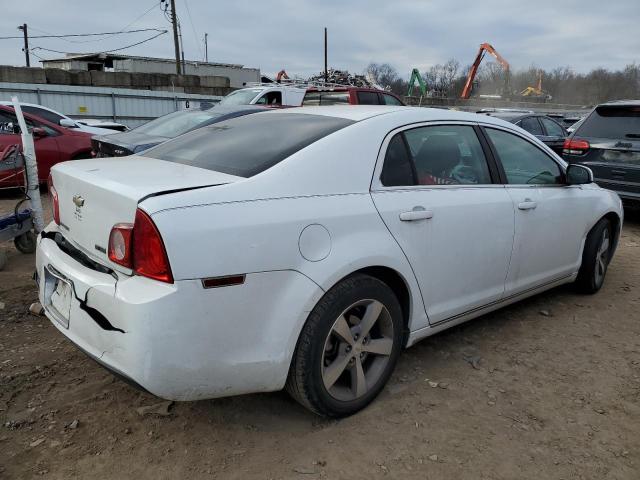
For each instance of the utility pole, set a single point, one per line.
(184, 65)
(206, 47)
(176, 43)
(23, 27)
(326, 72)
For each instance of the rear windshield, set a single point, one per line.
(612, 122)
(245, 146)
(177, 123)
(326, 98)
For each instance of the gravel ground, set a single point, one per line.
(548, 388)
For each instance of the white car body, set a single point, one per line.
(295, 230)
(60, 119)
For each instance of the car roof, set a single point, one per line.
(630, 103)
(402, 114)
(9, 103)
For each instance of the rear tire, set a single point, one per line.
(348, 347)
(26, 243)
(595, 258)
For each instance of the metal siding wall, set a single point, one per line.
(133, 107)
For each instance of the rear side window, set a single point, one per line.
(42, 113)
(552, 128)
(531, 125)
(620, 122)
(390, 100)
(245, 146)
(523, 162)
(437, 155)
(326, 98)
(368, 98)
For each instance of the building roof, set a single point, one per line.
(101, 57)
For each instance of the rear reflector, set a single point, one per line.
(55, 204)
(216, 282)
(119, 249)
(575, 147)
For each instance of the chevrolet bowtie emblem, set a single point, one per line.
(78, 200)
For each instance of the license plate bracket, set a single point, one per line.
(58, 293)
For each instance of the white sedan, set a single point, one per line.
(305, 248)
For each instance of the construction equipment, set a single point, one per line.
(281, 75)
(484, 48)
(537, 90)
(415, 76)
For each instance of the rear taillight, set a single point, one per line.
(140, 247)
(55, 204)
(575, 147)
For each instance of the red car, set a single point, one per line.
(346, 95)
(53, 144)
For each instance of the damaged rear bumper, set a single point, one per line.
(180, 341)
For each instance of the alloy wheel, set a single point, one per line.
(602, 257)
(357, 350)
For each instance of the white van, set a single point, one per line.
(267, 94)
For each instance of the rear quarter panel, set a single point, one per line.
(265, 235)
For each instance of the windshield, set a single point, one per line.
(241, 97)
(246, 146)
(176, 123)
(619, 122)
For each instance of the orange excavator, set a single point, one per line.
(484, 48)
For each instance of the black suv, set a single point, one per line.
(608, 142)
(544, 128)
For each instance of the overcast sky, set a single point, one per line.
(271, 35)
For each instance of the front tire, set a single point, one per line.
(348, 347)
(595, 258)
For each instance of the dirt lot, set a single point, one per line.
(546, 389)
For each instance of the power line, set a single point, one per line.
(162, 32)
(195, 33)
(155, 4)
(86, 34)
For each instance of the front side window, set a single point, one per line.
(437, 155)
(552, 128)
(531, 125)
(368, 98)
(523, 162)
(270, 98)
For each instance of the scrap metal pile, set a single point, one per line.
(342, 77)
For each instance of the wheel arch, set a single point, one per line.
(616, 221)
(397, 283)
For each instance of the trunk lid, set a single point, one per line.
(94, 195)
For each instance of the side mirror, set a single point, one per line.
(38, 132)
(579, 174)
(66, 122)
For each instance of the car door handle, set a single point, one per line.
(418, 213)
(527, 205)
(618, 173)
